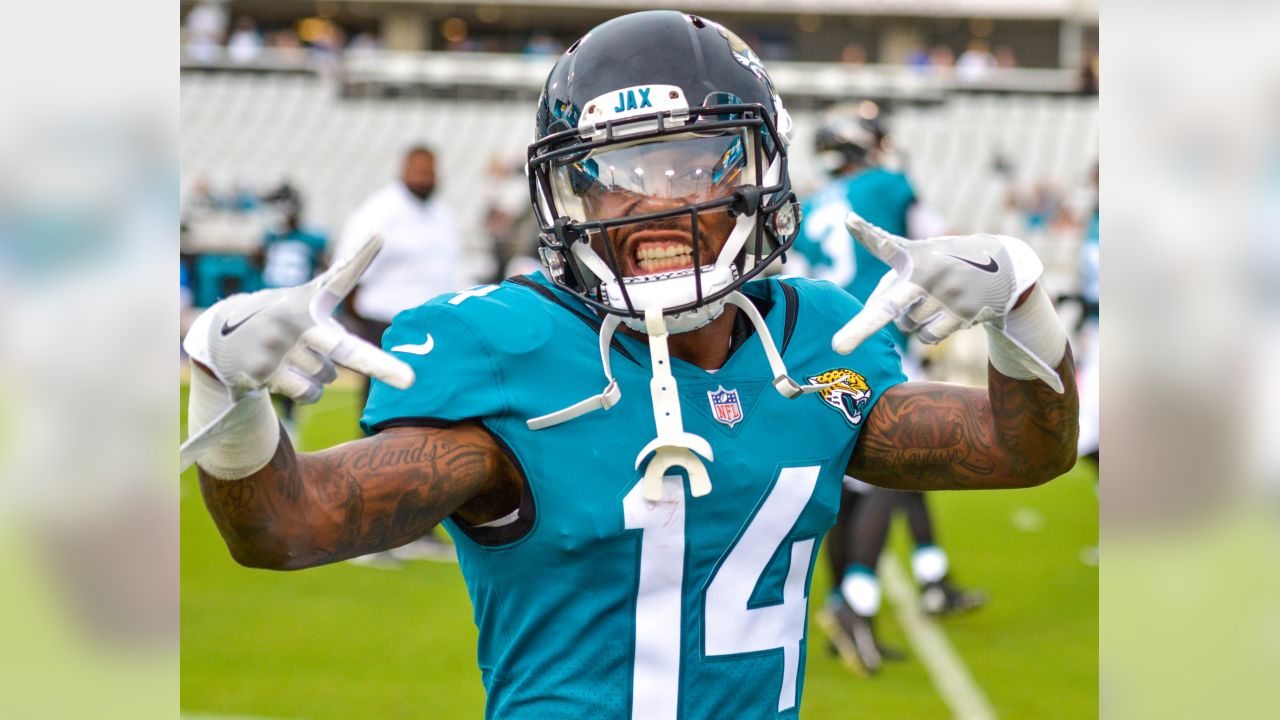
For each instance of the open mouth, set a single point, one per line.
(660, 251)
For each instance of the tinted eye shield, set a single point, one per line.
(680, 169)
(568, 145)
(573, 145)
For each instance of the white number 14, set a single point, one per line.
(731, 626)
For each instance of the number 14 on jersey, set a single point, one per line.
(731, 626)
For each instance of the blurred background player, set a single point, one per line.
(290, 256)
(849, 146)
(421, 248)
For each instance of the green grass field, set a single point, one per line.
(347, 641)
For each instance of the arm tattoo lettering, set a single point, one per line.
(935, 436)
(367, 495)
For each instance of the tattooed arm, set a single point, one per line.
(380, 492)
(936, 436)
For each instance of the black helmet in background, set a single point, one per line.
(851, 135)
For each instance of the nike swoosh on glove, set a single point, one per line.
(939, 286)
(281, 340)
(286, 339)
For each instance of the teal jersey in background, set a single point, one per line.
(291, 258)
(881, 196)
(596, 603)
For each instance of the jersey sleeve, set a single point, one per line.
(456, 373)
(877, 357)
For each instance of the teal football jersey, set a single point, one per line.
(596, 603)
(881, 196)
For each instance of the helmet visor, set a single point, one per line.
(621, 180)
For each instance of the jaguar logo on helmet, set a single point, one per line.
(565, 111)
(743, 53)
(848, 393)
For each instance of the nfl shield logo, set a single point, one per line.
(725, 406)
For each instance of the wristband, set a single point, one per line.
(246, 449)
(1031, 343)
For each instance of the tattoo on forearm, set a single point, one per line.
(934, 436)
(922, 434)
(364, 496)
(353, 517)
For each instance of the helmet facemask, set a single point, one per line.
(673, 209)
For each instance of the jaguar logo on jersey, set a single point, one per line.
(726, 408)
(848, 394)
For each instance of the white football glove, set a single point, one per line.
(284, 341)
(941, 285)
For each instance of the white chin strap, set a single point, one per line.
(607, 397)
(782, 382)
(673, 447)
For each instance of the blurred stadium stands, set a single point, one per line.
(965, 150)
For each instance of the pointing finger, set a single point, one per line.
(337, 282)
(363, 357)
(879, 242)
(883, 307)
(345, 273)
(866, 323)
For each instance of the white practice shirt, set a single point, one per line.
(421, 250)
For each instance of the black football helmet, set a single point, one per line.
(850, 134)
(651, 123)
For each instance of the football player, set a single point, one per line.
(849, 146)
(645, 550)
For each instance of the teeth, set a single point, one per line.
(664, 264)
(653, 252)
(655, 258)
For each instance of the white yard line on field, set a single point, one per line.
(950, 676)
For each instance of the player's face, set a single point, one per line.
(419, 175)
(629, 181)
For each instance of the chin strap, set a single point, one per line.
(673, 446)
(782, 382)
(607, 397)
